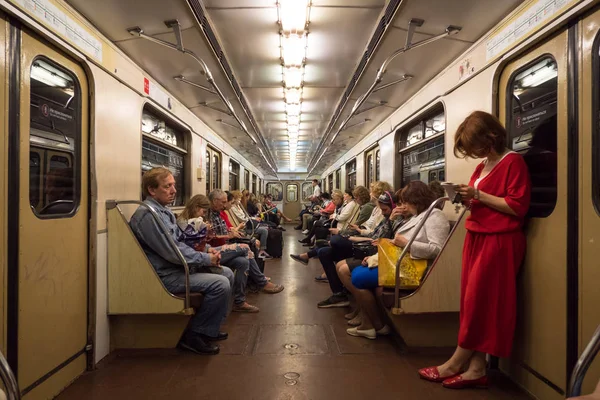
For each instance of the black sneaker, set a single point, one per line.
(296, 257)
(298, 228)
(195, 343)
(336, 300)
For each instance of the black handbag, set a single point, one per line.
(363, 249)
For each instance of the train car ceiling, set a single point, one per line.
(293, 77)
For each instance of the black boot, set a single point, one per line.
(194, 342)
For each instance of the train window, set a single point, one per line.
(351, 174)
(372, 166)
(330, 182)
(307, 190)
(260, 185)
(213, 169)
(163, 145)
(532, 129)
(234, 175)
(247, 180)
(254, 188)
(276, 190)
(338, 179)
(422, 149)
(377, 165)
(55, 140)
(291, 193)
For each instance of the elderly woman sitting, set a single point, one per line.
(359, 279)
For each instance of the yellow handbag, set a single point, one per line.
(411, 271)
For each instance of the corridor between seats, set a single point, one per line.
(290, 350)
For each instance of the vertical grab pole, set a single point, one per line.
(584, 362)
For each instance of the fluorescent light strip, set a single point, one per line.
(293, 50)
(293, 15)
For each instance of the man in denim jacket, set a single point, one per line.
(159, 191)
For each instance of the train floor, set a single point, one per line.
(290, 350)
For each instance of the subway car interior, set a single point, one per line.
(300, 199)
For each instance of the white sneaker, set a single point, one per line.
(305, 232)
(367, 333)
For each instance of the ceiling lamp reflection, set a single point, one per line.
(293, 50)
(293, 129)
(292, 109)
(293, 120)
(292, 77)
(293, 15)
(293, 95)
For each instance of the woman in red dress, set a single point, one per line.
(499, 194)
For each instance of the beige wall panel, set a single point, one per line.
(589, 273)
(441, 291)
(360, 170)
(117, 141)
(102, 333)
(388, 159)
(146, 331)
(3, 178)
(225, 172)
(133, 286)
(540, 337)
(427, 330)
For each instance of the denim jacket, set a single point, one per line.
(156, 246)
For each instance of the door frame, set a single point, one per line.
(14, 68)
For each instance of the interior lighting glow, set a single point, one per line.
(50, 78)
(293, 50)
(293, 95)
(293, 120)
(540, 76)
(292, 109)
(293, 129)
(292, 77)
(293, 15)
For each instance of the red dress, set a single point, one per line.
(493, 252)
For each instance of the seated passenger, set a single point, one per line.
(158, 185)
(271, 207)
(359, 278)
(230, 257)
(261, 232)
(387, 204)
(335, 205)
(326, 208)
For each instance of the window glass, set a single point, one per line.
(351, 174)
(234, 175)
(307, 190)
(208, 173)
(369, 179)
(330, 184)
(216, 172)
(157, 155)
(338, 179)
(422, 150)
(247, 179)
(292, 193)
(254, 188)
(275, 189)
(377, 165)
(420, 161)
(532, 129)
(55, 135)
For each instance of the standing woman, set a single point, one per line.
(499, 193)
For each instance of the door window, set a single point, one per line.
(292, 193)
(55, 140)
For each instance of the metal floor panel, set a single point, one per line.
(255, 364)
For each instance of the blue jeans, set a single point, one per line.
(238, 262)
(365, 277)
(216, 289)
(257, 276)
(263, 234)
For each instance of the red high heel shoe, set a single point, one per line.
(433, 375)
(458, 382)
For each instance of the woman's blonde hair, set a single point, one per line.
(337, 193)
(378, 187)
(237, 195)
(198, 201)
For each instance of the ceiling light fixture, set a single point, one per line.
(292, 77)
(293, 120)
(293, 95)
(293, 50)
(293, 15)
(292, 109)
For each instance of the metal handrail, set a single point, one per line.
(110, 204)
(584, 362)
(174, 24)
(10, 382)
(450, 30)
(410, 242)
(430, 269)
